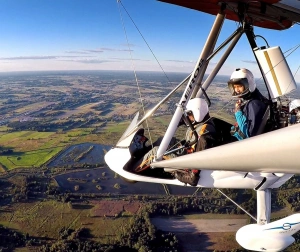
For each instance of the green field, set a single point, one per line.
(29, 159)
(33, 149)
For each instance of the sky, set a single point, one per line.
(98, 35)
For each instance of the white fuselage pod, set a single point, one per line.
(117, 158)
(250, 163)
(274, 236)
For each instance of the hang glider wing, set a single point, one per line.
(274, 152)
(272, 14)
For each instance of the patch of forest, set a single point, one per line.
(139, 234)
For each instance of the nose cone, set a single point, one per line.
(116, 158)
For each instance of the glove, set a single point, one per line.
(238, 105)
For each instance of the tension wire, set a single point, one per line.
(119, 1)
(236, 204)
(133, 66)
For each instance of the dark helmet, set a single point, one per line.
(244, 77)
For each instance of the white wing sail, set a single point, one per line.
(273, 152)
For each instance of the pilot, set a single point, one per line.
(201, 122)
(199, 136)
(250, 107)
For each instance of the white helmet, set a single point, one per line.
(242, 76)
(198, 107)
(294, 104)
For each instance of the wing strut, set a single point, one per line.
(263, 206)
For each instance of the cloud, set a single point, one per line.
(29, 58)
(116, 50)
(249, 61)
(77, 52)
(181, 61)
(108, 49)
(88, 51)
(100, 50)
(94, 51)
(130, 45)
(129, 59)
(39, 57)
(88, 61)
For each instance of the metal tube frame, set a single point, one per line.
(215, 31)
(249, 33)
(195, 79)
(235, 38)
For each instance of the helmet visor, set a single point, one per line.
(190, 115)
(233, 85)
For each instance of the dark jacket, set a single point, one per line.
(250, 117)
(206, 135)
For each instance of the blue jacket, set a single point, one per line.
(250, 117)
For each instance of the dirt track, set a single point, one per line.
(198, 225)
(202, 235)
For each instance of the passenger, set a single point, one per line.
(204, 129)
(201, 135)
(293, 116)
(294, 109)
(250, 108)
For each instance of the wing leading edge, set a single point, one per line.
(273, 152)
(271, 14)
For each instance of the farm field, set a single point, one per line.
(54, 132)
(46, 218)
(33, 149)
(104, 219)
(53, 116)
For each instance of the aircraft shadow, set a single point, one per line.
(190, 238)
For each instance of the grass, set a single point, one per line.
(79, 132)
(46, 218)
(283, 212)
(4, 128)
(33, 149)
(222, 242)
(29, 159)
(117, 127)
(163, 120)
(209, 216)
